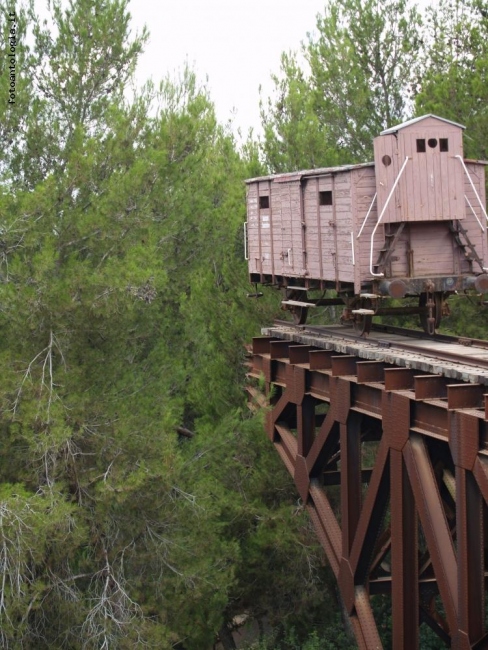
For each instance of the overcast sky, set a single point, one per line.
(236, 44)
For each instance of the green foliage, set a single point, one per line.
(330, 636)
(294, 135)
(468, 317)
(67, 83)
(363, 63)
(361, 75)
(116, 323)
(123, 318)
(279, 573)
(454, 79)
(14, 117)
(362, 69)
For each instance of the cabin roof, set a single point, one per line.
(398, 127)
(321, 171)
(324, 171)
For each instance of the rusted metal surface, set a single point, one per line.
(394, 475)
(452, 359)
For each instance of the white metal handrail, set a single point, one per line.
(246, 256)
(460, 158)
(380, 275)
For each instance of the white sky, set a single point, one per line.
(236, 44)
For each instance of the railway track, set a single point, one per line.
(459, 358)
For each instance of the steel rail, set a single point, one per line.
(401, 345)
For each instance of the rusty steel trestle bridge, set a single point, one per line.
(388, 448)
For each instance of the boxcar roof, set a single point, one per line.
(321, 171)
(396, 128)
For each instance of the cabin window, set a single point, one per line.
(420, 145)
(386, 160)
(325, 197)
(444, 144)
(264, 202)
(432, 142)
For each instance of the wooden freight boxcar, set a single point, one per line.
(413, 223)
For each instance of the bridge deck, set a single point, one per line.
(452, 359)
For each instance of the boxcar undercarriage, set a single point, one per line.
(430, 294)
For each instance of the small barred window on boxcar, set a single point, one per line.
(443, 144)
(421, 145)
(264, 202)
(325, 197)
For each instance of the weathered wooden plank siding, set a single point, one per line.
(265, 216)
(364, 189)
(313, 242)
(287, 248)
(430, 186)
(343, 226)
(432, 249)
(253, 228)
(400, 259)
(385, 148)
(319, 233)
(475, 233)
(276, 232)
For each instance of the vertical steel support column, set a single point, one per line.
(404, 557)
(350, 438)
(421, 437)
(434, 524)
(469, 526)
(305, 425)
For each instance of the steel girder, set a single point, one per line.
(392, 465)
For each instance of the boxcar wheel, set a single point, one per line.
(430, 317)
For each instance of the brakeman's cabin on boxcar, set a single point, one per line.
(413, 223)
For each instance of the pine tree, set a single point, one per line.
(361, 79)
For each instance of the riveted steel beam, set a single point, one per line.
(434, 522)
(470, 551)
(404, 557)
(351, 479)
(409, 450)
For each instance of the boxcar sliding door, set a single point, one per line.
(291, 211)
